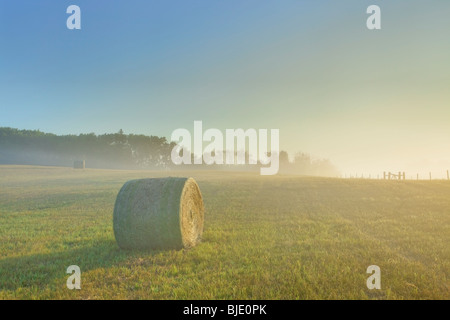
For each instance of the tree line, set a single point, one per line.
(123, 151)
(116, 150)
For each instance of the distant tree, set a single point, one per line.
(119, 150)
(284, 158)
(116, 150)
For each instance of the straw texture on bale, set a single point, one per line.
(160, 213)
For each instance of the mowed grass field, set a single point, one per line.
(265, 237)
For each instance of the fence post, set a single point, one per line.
(417, 176)
(430, 176)
(448, 175)
(404, 175)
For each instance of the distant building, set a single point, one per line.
(79, 164)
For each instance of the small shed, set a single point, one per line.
(79, 164)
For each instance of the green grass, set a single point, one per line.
(279, 237)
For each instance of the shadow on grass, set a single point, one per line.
(40, 270)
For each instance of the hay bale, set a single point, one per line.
(163, 213)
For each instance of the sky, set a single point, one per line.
(368, 100)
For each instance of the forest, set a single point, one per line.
(124, 151)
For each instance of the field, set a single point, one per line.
(278, 237)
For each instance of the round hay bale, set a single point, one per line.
(161, 213)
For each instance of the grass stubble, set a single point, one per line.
(277, 237)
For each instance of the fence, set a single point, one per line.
(395, 176)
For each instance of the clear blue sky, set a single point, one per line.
(309, 68)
